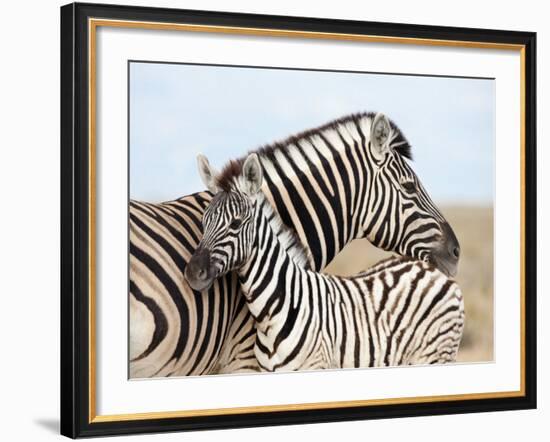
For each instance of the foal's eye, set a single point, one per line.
(235, 224)
(409, 186)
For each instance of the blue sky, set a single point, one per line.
(178, 111)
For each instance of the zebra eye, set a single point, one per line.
(236, 223)
(409, 186)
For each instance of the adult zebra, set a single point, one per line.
(345, 180)
(400, 312)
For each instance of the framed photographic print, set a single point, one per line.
(275, 220)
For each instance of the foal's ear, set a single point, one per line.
(252, 174)
(207, 173)
(380, 135)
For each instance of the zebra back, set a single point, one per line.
(173, 330)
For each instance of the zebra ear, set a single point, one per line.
(207, 173)
(380, 135)
(252, 174)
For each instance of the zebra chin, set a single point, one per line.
(447, 266)
(199, 285)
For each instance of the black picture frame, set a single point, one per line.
(75, 219)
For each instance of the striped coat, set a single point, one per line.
(345, 180)
(400, 312)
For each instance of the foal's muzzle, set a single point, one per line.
(198, 271)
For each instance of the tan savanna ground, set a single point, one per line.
(473, 227)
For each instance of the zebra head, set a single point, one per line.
(401, 215)
(228, 224)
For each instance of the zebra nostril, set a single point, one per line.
(201, 274)
(456, 252)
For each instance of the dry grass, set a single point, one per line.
(474, 229)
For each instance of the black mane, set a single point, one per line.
(233, 169)
(228, 174)
(400, 144)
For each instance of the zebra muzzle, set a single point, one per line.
(447, 255)
(197, 272)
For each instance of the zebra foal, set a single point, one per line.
(400, 312)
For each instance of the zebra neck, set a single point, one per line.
(286, 237)
(318, 184)
(274, 260)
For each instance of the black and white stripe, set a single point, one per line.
(400, 312)
(172, 330)
(345, 180)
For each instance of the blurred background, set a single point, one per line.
(180, 110)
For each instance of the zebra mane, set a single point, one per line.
(287, 237)
(398, 142)
(227, 178)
